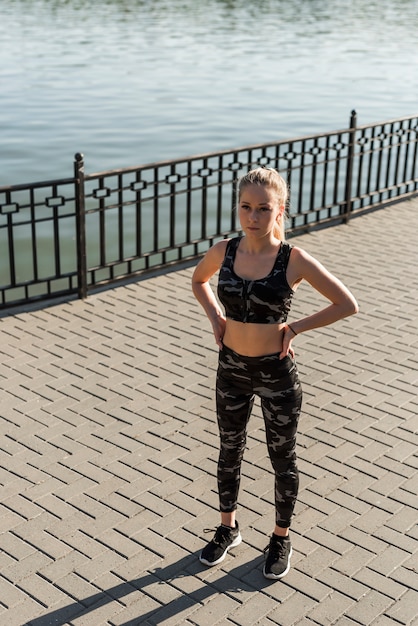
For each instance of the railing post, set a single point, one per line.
(350, 162)
(80, 226)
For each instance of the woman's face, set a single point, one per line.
(258, 210)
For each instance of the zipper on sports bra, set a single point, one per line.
(246, 299)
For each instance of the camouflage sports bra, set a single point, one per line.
(262, 301)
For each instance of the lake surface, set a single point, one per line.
(131, 82)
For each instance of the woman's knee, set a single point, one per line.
(286, 471)
(232, 446)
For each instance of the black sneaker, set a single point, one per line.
(278, 556)
(224, 539)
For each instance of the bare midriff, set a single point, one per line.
(253, 339)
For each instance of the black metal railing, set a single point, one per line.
(64, 237)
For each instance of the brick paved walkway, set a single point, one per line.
(109, 444)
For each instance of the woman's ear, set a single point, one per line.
(281, 212)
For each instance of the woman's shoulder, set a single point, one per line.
(211, 261)
(304, 265)
(220, 248)
(300, 254)
(214, 257)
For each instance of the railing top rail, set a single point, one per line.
(207, 155)
(385, 122)
(203, 155)
(37, 185)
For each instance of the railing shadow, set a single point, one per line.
(189, 566)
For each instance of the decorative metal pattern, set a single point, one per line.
(9, 207)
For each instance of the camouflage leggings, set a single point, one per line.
(276, 382)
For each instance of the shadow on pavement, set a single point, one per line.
(187, 567)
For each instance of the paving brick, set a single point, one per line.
(24, 568)
(14, 546)
(43, 542)
(395, 538)
(119, 503)
(80, 542)
(10, 594)
(292, 609)
(186, 503)
(42, 591)
(349, 502)
(168, 524)
(308, 582)
(306, 520)
(253, 610)
(352, 561)
(369, 607)
(330, 608)
(407, 575)
(380, 583)
(318, 560)
(133, 525)
(329, 540)
(173, 613)
(133, 569)
(390, 559)
(214, 610)
(53, 571)
(373, 519)
(336, 468)
(24, 612)
(314, 501)
(403, 497)
(97, 614)
(338, 521)
(22, 506)
(402, 469)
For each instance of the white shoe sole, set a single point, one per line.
(234, 544)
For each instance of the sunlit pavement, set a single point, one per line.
(109, 448)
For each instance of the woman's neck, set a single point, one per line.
(263, 245)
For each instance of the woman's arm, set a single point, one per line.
(342, 302)
(203, 292)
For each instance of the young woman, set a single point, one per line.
(258, 275)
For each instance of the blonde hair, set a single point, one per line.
(272, 179)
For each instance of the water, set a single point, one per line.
(131, 82)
